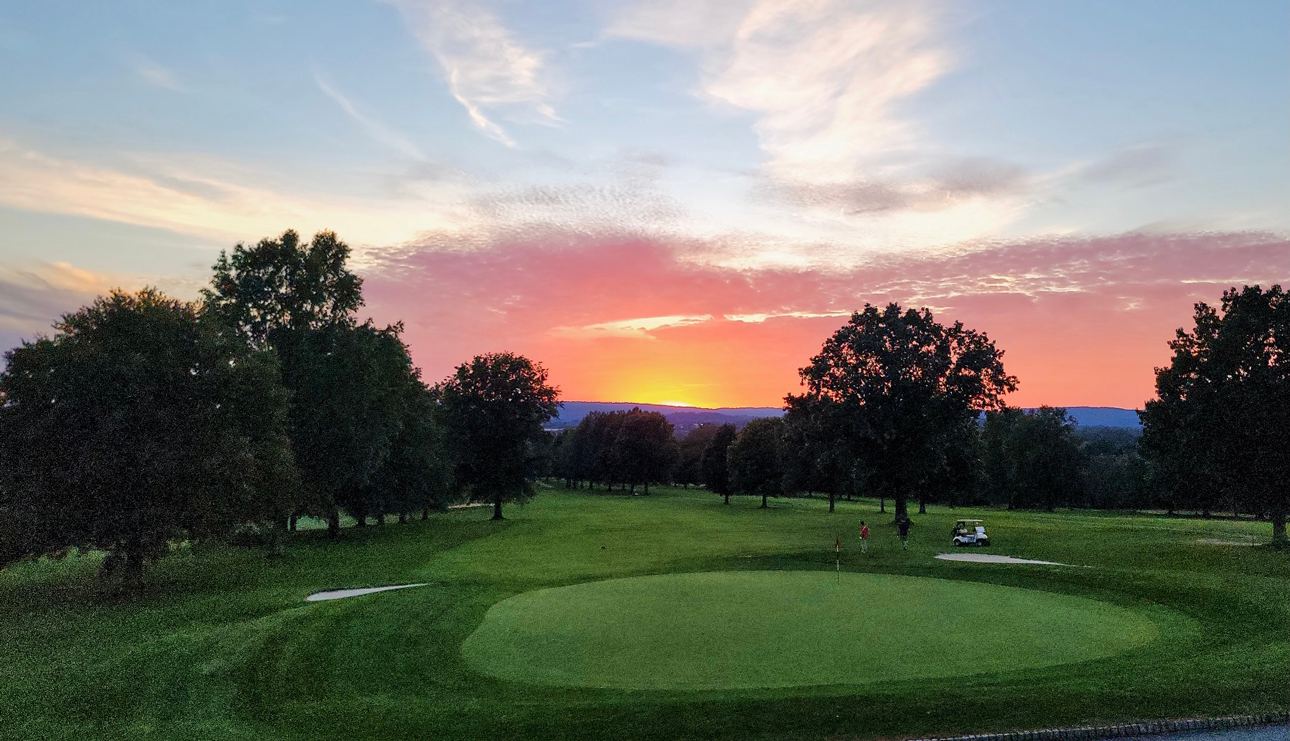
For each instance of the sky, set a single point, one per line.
(666, 201)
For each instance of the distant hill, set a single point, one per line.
(682, 418)
(1105, 417)
(687, 418)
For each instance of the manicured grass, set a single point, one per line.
(224, 646)
(746, 629)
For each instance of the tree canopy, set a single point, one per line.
(755, 459)
(280, 288)
(494, 408)
(140, 421)
(714, 464)
(1218, 422)
(1033, 459)
(895, 388)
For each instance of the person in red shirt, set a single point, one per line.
(864, 537)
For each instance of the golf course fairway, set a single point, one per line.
(751, 629)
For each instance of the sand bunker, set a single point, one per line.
(343, 593)
(992, 558)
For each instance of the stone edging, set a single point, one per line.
(1149, 728)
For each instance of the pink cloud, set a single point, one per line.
(1082, 321)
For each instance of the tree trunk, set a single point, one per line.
(425, 513)
(497, 508)
(832, 497)
(360, 520)
(882, 503)
(133, 574)
(902, 508)
(403, 516)
(1279, 527)
(727, 497)
(763, 501)
(380, 518)
(646, 488)
(293, 523)
(333, 523)
(922, 506)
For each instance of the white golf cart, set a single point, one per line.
(970, 532)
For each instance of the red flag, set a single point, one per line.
(838, 545)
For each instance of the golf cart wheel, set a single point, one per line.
(983, 543)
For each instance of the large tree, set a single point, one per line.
(755, 459)
(645, 449)
(494, 408)
(351, 385)
(279, 289)
(714, 464)
(896, 387)
(139, 422)
(1222, 405)
(689, 468)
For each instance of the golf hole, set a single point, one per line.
(754, 629)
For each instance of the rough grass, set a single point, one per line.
(224, 647)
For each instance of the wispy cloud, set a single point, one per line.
(155, 74)
(375, 129)
(33, 297)
(824, 76)
(485, 66)
(1140, 166)
(210, 198)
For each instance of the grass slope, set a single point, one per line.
(224, 646)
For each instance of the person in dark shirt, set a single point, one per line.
(902, 529)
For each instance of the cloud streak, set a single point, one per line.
(155, 74)
(210, 199)
(374, 129)
(483, 63)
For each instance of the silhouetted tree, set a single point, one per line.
(279, 290)
(416, 475)
(645, 449)
(1033, 458)
(896, 387)
(140, 421)
(1222, 405)
(689, 469)
(350, 385)
(754, 459)
(716, 471)
(494, 408)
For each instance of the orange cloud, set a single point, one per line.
(623, 317)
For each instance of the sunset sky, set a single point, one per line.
(671, 201)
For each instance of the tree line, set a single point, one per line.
(901, 407)
(144, 420)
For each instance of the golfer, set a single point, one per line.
(864, 537)
(902, 529)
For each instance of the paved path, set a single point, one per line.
(1265, 733)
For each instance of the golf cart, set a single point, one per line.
(970, 532)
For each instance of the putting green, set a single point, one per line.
(747, 629)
